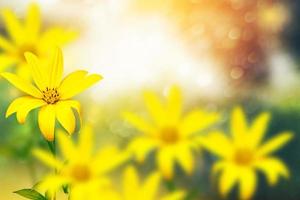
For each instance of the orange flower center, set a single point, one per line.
(81, 172)
(26, 48)
(51, 95)
(169, 135)
(243, 156)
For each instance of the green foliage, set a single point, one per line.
(30, 194)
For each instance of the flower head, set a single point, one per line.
(134, 189)
(49, 93)
(27, 37)
(170, 134)
(80, 169)
(243, 154)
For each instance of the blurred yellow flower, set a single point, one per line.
(243, 154)
(134, 189)
(81, 169)
(172, 135)
(49, 93)
(27, 36)
(273, 17)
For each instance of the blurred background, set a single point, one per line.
(220, 52)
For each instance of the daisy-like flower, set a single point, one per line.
(27, 36)
(243, 154)
(80, 168)
(170, 134)
(134, 189)
(49, 93)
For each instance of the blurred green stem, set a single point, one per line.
(51, 145)
(32, 142)
(170, 185)
(32, 170)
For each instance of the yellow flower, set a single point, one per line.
(170, 134)
(27, 36)
(273, 17)
(134, 189)
(49, 93)
(242, 155)
(81, 169)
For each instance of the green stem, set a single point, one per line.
(52, 148)
(170, 185)
(32, 171)
(30, 162)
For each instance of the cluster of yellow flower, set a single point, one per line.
(84, 175)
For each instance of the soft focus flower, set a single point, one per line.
(27, 36)
(170, 134)
(81, 169)
(49, 93)
(273, 17)
(242, 155)
(134, 189)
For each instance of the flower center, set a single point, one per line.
(243, 156)
(51, 95)
(169, 135)
(24, 48)
(81, 172)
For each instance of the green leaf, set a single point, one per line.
(65, 189)
(30, 194)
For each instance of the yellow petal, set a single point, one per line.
(247, 183)
(273, 168)
(219, 144)
(65, 116)
(6, 61)
(77, 82)
(72, 79)
(130, 183)
(22, 85)
(93, 190)
(228, 178)
(16, 105)
(52, 183)
(23, 71)
(238, 125)
(76, 105)
(46, 121)
(112, 158)
(258, 129)
(56, 37)
(6, 45)
(151, 186)
(165, 162)
(12, 25)
(197, 120)
(86, 139)
(28, 105)
(177, 195)
(274, 144)
(47, 158)
(138, 123)
(185, 158)
(66, 146)
(155, 108)
(33, 21)
(141, 147)
(174, 105)
(38, 74)
(56, 68)
(78, 192)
